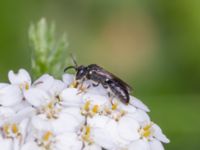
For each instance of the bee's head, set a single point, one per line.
(81, 72)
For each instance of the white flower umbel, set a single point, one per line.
(13, 127)
(52, 114)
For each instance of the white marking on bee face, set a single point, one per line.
(107, 79)
(90, 72)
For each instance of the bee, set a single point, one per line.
(99, 75)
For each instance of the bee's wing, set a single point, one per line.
(121, 82)
(111, 76)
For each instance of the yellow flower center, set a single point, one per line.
(95, 109)
(15, 128)
(46, 140)
(51, 110)
(6, 129)
(89, 110)
(86, 133)
(11, 130)
(74, 84)
(146, 131)
(114, 111)
(24, 85)
(114, 106)
(87, 106)
(47, 136)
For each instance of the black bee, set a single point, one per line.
(93, 72)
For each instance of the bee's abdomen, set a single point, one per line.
(119, 91)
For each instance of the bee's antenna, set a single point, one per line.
(70, 67)
(74, 60)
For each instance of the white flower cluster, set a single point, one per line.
(51, 114)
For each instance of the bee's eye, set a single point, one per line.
(108, 81)
(81, 72)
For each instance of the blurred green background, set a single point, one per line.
(154, 45)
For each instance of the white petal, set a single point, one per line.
(56, 88)
(138, 104)
(158, 134)
(45, 82)
(41, 123)
(103, 138)
(95, 99)
(112, 129)
(23, 129)
(92, 147)
(5, 113)
(156, 145)
(65, 123)
(127, 108)
(10, 95)
(19, 117)
(27, 112)
(30, 146)
(6, 144)
(16, 144)
(20, 78)
(37, 97)
(128, 128)
(2, 85)
(101, 132)
(141, 116)
(68, 79)
(98, 121)
(70, 97)
(68, 141)
(75, 112)
(139, 145)
(20, 106)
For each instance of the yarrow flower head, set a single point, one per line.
(52, 114)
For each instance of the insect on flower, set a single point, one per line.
(98, 75)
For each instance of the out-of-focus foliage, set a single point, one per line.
(48, 55)
(153, 45)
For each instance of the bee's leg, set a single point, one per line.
(88, 86)
(105, 86)
(111, 96)
(81, 88)
(80, 85)
(95, 85)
